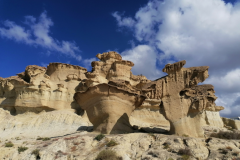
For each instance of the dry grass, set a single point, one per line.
(9, 144)
(43, 138)
(112, 143)
(36, 152)
(22, 149)
(99, 137)
(108, 155)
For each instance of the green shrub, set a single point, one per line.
(22, 149)
(99, 137)
(185, 151)
(170, 159)
(166, 145)
(43, 139)
(184, 135)
(46, 139)
(107, 155)
(9, 144)
(112, 143)
(35, 152)
(185, 157)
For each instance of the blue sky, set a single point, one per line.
(149, 33)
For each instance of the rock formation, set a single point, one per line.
(109, 107)
(40, 88)
(111, 67)
(183, 101)
(114, 98)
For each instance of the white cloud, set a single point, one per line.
(126, 21)
(38, 35)
(144, 58)
(203, 32)
(87, 63)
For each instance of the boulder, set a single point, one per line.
(235, 124)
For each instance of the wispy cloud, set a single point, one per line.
(87, 63)
(37, 34)
(203, 32)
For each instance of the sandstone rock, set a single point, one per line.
(40, 88)
(109, 107)
(44, 124)
(111, 67)
(183, 102)
(235, 124)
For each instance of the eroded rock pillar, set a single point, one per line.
(109, 107)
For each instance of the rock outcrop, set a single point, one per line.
(40, 88)
(111, 67)
(110, 89)
(183, 101)
(109, 107)
(234, 124)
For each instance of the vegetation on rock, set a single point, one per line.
(9, 144)
(22, 149)
(99, 137)
(108, 155)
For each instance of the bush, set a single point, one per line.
(166, 145)
(46, 139)
(35, 152)
(22, 149)
(9, 144)
(107, 155)
(43, 139)
(99, 137)
(185, 157)
(185, 151)
(112, 143)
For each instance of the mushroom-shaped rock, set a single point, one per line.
(109, 107)
(184, 113)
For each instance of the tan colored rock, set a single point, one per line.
(235, 124)
(40, 88)
(183, 102)
(213, 119)
(111, 67)
(109, 107)
(145, 117)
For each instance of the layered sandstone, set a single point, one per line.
(182, 101)
(40, 88)
(176, 99)
(111, 67)
(109, 107)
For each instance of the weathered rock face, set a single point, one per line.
(109, 107)
(110, 93)
(183, 101)
(234, 124)
(40, 88)
(111, 67)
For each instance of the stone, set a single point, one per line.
(182, 100)
(111, 67)
(40, 88)
(109, 107)
(174, 101)
(235, 124)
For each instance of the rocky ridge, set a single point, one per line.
(72, 106)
